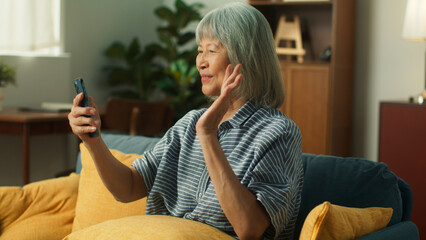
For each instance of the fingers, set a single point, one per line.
(77, 100)
(83, 120)
(232, 79)
(232, 73)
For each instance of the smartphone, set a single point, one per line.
(85, 102)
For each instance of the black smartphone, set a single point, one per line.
(85, 102)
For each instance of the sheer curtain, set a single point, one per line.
(30, 26)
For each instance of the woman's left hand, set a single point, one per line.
(210, 120)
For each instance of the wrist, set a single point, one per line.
(206, 133)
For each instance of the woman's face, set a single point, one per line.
(212, 60)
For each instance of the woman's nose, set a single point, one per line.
(202, 63)
(203, 66)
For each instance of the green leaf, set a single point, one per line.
(165, 14)
(189, 56)
(117, 50)
(159, 50)
(182, 66)
(181, 7)
(134, 50)
(120, 77)
(193, 72)
(186, 37)
(172, 30)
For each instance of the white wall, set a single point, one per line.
(387, 68)
(91, 26)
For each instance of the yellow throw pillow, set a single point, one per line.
(95, 203)
(149, 227)
(40, 211)
(329, 221)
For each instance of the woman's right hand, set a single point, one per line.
(81, 121)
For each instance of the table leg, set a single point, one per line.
(26, 154)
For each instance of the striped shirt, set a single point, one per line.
(263, 147)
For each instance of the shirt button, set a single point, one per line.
(200, 195)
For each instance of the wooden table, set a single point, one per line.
(28, 123)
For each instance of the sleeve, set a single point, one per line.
(277, 179)
(147, 165)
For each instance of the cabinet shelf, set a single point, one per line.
(319, 94)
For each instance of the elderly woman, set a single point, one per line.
(236, 165)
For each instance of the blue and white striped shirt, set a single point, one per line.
(263, 147)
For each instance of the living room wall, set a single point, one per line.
(386, 68)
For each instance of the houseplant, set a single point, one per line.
(133, 70)
(7, 77)
(178, 50)
(168, 65)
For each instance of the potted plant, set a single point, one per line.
(7, 77)
(178, 50)
(183, 87)
(133, 71)
(168, 66)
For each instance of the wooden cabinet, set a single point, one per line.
(402, 146)
(319, 94)
(306, 88)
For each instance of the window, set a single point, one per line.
(30, 26)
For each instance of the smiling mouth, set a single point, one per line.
(205, 78)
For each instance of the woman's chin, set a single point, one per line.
(210, 93)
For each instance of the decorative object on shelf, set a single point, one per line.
(289, 33)
(326, 55)
(415, 30)
(7, 77)
(319, 95)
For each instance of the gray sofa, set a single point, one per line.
(350, 182)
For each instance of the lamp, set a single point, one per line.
(415, 29)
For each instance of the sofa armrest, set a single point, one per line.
(39, 210)
(406, 230)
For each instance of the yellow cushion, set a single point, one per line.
(95, 203)
(39, 210)
(146, 227)
(329, 221)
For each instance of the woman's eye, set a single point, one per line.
(200, 51)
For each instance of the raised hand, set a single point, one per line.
(222, 108)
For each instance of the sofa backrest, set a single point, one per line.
(352, 182)
(124, 143)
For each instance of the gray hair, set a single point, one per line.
(248, 39)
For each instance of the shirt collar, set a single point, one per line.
(242, 115)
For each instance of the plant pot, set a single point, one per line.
(2, 93)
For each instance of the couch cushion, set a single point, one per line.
(124, 143)
(350, 182)
(95, 203)
(153, 227)
(329, 221)
(40, 211)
